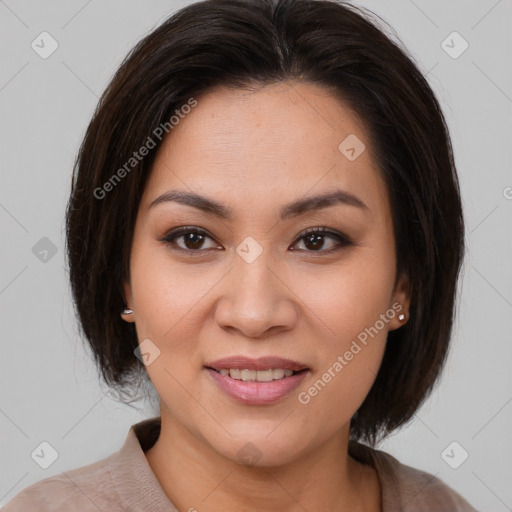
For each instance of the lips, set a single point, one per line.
(249, 380)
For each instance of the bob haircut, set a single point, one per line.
(249, 44)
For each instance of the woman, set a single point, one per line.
(265, 220)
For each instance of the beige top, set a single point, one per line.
(124, 481)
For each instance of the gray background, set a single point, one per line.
(50, 389)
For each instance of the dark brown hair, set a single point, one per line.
(244, 44)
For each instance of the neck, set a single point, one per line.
(197, 478)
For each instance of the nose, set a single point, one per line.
(256, 299)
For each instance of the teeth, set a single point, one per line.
(278, 374)
(235, 374)
(247, 375)
(256, 375)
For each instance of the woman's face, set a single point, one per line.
(246, 280)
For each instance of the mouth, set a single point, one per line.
(248, 375)
(257, 381)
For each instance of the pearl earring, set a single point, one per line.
(127, 311)
(401, 317)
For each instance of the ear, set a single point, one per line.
(127, 292)
(400, 303)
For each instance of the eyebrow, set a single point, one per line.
(294, 209)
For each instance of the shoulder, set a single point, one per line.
(422, 491)
(121, 481)
(409, 489)
(86, 488)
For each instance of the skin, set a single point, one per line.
(255, 152)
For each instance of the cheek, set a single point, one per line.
(349, 297)
(339, 388)
(166, 299)
(350, 355)
(351, 308)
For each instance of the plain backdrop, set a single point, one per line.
(50, 391)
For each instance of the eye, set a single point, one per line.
(193, 239)
(314, 240)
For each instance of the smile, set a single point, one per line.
(257, 375)
(252, 387)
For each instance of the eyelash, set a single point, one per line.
(168, 239)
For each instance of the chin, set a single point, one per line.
(261, 447)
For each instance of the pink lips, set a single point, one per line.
(252, 392)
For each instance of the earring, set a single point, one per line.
(401, 317)
(126, 315)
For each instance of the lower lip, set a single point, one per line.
(257, 393)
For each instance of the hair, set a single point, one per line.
(253, 43)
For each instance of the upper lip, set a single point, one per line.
(261, 363)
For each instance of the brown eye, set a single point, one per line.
(193, 239)
(314, 240)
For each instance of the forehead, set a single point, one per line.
(276, 143)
